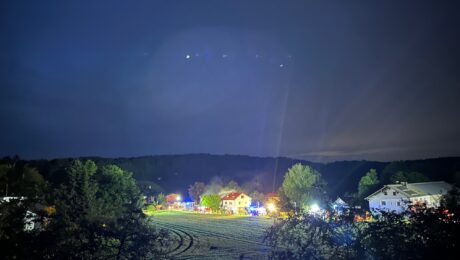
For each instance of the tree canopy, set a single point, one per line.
(368, 183)
(196, 190)
(302, 185)
(211, 201)
(18, 179)
(97, 214)
(422, 233)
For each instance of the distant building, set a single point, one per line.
(345, 202)
(235, 201)
(340, 205)
(398, 197)
(30, 218)
(172, 198)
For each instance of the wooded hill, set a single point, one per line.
(174, 173)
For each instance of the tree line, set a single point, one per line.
(93, 213)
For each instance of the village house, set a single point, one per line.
(30, 218)
(398, 197)
(235, 201)
(342, 204)
(339, 205)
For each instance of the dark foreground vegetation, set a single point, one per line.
(93, 213)
(85, 210)
(421, 233)
(324, 232)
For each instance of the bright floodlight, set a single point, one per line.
(178, 198)
(271, 207)
(314, 208)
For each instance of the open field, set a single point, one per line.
(200, 236)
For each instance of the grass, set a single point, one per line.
(213, 236)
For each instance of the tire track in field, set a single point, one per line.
(216, 238)
(212, 234)
(182, 247)
(214, 225)
(218, 234)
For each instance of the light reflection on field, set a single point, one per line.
(199, 236)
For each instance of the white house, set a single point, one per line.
(397, 197)
(235, 201)
(339, 203)
(29, 218)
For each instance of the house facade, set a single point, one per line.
(398, 197)
(30, 218)
(235, 201)
(339, 205)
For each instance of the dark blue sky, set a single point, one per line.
(374, 80)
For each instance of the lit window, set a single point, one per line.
(384, 203)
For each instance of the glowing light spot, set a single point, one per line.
(188, 56)
(224, 56)
(314, 208)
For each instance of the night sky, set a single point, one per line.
(374, 80)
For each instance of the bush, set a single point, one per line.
(150, 209)
(304, 236)
(419, 234)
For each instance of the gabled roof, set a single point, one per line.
(339, 201)
(431, 188)
(232, 196)
(412, 190)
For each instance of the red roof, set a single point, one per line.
(231, 196)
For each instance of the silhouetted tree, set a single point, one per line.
(304, 236)
(161, 200)
(233, 186)
(284, 203)
(97, 216)
(18, 179)
(368, 183)
(302, 184)
(196, 190)
(211, 201)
